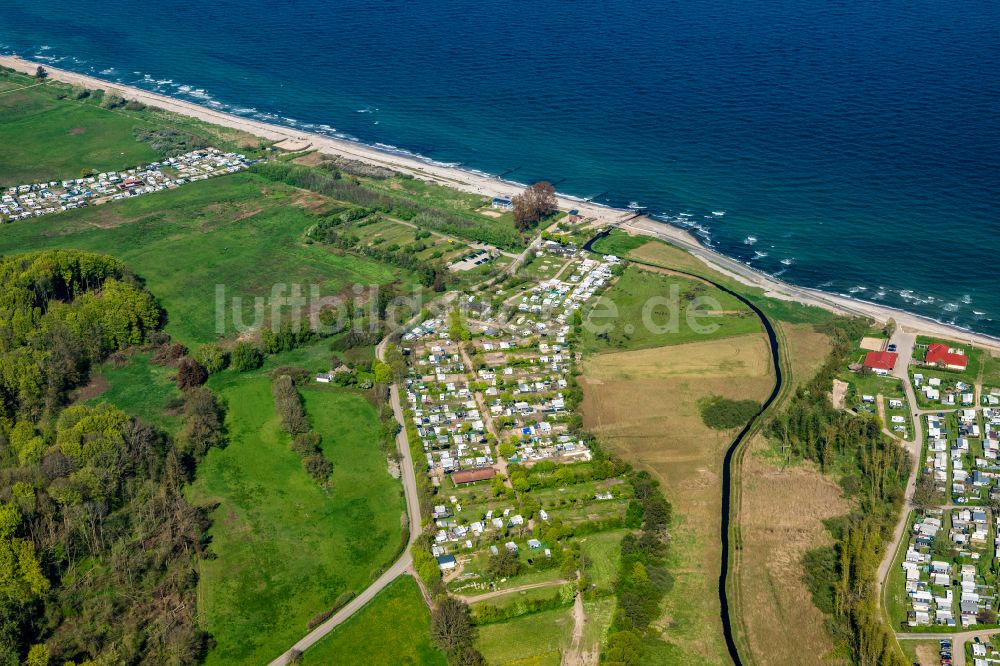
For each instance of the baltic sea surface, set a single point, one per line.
(849, 145)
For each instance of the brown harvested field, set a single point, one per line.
(925, 653)
(805, 350)
(644, 406)
(780, 623)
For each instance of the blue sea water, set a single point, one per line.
(851, 145)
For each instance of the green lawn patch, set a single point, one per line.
(644, 309)
(285, 548)
(619, 243)
(603, 550)
(542, 636)
(142, 389)
(991, 371)
(45, 138)
(49, 134)
(896, 598)
(394, 628)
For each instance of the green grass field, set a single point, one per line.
(394, 628)
(44, 138)
(619, 243)
(141, 389)
(284, 548)
(542, 636)
(604, 552)
(237, 231)
(991, 371)
(637, 311)
(659, 253)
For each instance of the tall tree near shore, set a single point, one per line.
(41, 73)
(534, 204)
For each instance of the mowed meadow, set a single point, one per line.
(393, 628)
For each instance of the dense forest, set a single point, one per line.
(97, 544)
(873, 470)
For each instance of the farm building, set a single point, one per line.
(473, 475)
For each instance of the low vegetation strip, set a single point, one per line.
(353, 190)
(394, 628)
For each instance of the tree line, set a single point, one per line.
(305, 442)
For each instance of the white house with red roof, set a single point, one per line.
(946, 357)
(881, 363)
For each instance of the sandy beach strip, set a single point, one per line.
(291, 139)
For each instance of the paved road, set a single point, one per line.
(904, 342)
(400, 566)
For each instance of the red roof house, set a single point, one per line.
(942, 355)
(473, 475)
(881, 362)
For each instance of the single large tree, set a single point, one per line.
(451, 626)
(534, 204)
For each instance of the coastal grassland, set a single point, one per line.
(239, 231)
(660, 253)
(540, 638)
(49, 134)
(139, 388)
(636, 313)
(781, 518)
(393, 628)
(805, 349)
(991, 371)
(643, 406)
(45, 138)
(284, 548)
(619, 243)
